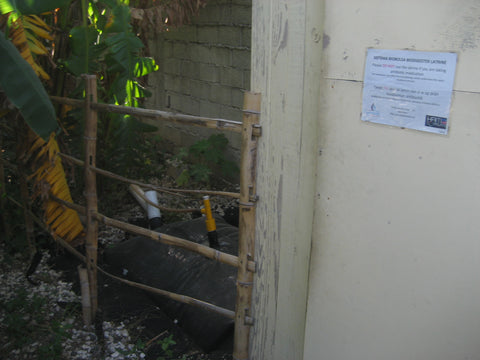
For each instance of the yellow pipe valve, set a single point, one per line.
(210, 223)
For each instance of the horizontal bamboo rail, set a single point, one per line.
(211, 123)
(137, 191)
(206, 251)
(149, 186)
(203, 250)
(78, 208)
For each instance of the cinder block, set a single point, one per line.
(202, 54)
(229, 35)
(241, 59)
(208, 72)
(184, 33)
(247, 36)
(237, 98)
(220, 14)
(166, 51)
(246, 79)
(230, 113)
(207, 34)
(173, 100)
(231, 77)
(173, 83)
(220, 94)
(187, 68)
(171, 66)
(180, 50)
(210, 109)
(185, 86)
(241, 15)
(200, 89)
(222, 55)
(188, 105)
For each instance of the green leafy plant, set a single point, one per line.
(17, 77)
(26, 320)
(204, 159)
(166, 344)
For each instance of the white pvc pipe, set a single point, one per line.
(152, 211)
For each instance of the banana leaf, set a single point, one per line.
(25, 90)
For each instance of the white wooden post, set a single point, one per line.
(286, 60)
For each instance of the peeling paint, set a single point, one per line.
(326, 40)
(280, 32)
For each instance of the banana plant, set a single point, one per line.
(20, 82)
(105, 43)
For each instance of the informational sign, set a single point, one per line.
(409, 89)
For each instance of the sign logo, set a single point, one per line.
(436, 121)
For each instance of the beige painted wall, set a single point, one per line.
(395, 258)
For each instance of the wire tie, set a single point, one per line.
(249, 204)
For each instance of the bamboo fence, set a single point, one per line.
(250, 130)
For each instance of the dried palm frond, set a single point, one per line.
(155, 16)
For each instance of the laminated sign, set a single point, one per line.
(409, 89)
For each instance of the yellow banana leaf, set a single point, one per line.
(37, 26)
(50, 177)
(24, 34)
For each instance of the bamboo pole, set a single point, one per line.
(200, 249)
(149, 186)
(246, 241)
(211, 123)
(139, 195)
(91, 239)
(78, 208)
(166, 239)
(85, 292)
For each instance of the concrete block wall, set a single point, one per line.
(204, 67)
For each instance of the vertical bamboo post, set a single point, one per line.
(246, 241)
(91, 241)
(85, 293)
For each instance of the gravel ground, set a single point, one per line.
(42, 319)
(57, 318)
